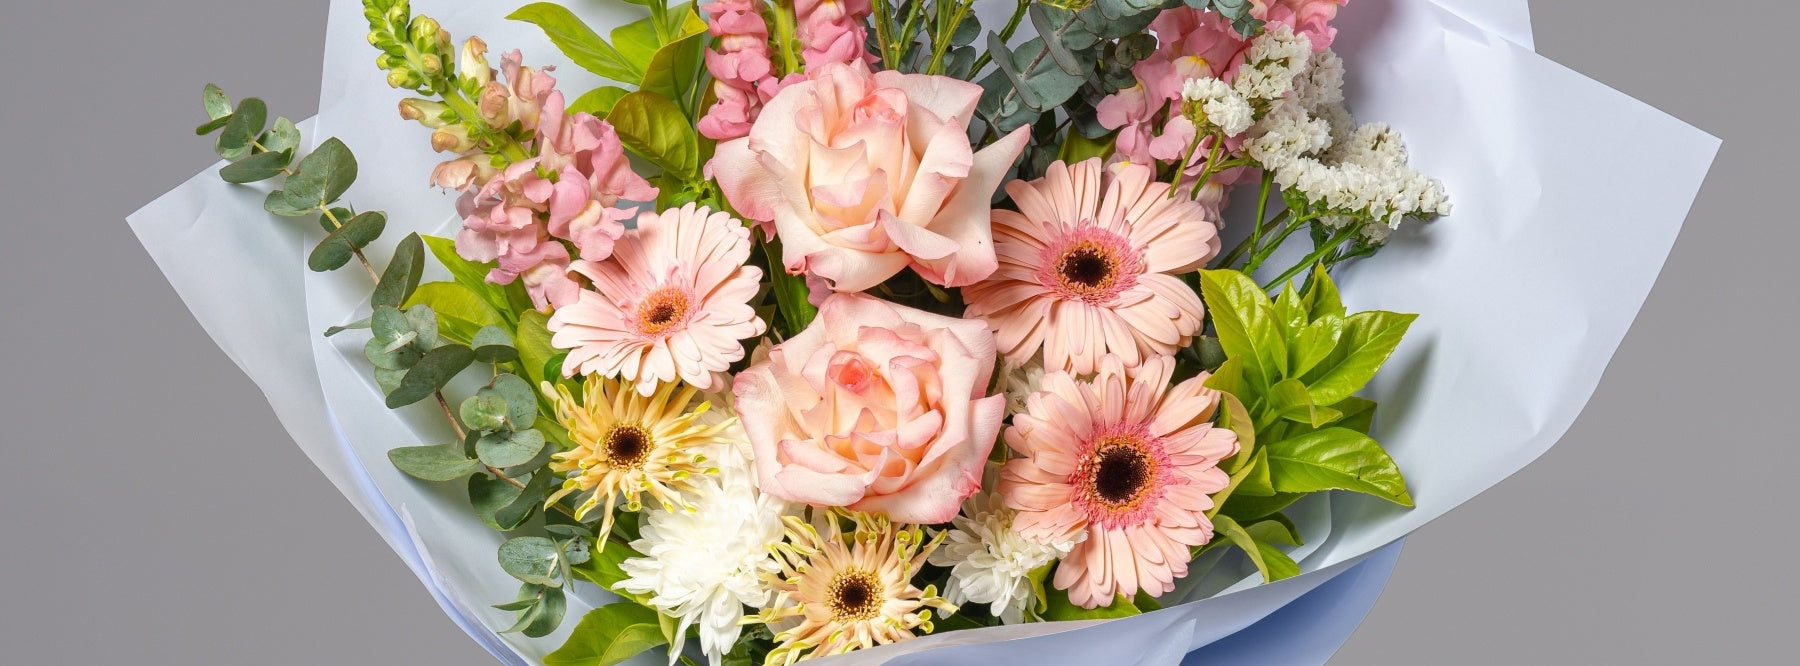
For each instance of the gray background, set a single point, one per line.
(156, 513)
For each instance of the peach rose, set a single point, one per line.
(875, 407)
(865, 174)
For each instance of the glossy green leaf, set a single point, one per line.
(461, 312)
(654, 128)
(1335, 459)
(1251, 508)
(258, 167)
(1057, 608)
(443, 462)
(533, 342)
(1321, 295)
(637, 42)
(431, 373)
(1368, 340)
(1289, 399)
(605, 568)
(608, 635)
(1245, 321)
(598, 101)
(1276, 529)
(401, 277)
(474, 276)
(339, 246)
(1269, 560)
(579, 42)
(675, 66)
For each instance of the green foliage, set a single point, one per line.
(579, 42)
(540, 608)
(461, 312)
(492, 344)
(319, 179)
(258, 167)
(442, 462)
(1269, 560)
(474, 276)
(608, 635)
(598, 101)
(1238, 11)
(341, 245)
(1292, 365)
(434, 370)
(1058, 608)
(241, 127)
(654, 128)
(402, 274)
(533, 341)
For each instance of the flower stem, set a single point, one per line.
(784, 35)
(946, 30)
(1318, 253)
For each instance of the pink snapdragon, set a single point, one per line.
(1191, 44)
(1307, 17)
(743, 74)
(831, 31)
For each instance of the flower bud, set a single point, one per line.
(426, 112)
(452, 139)
(472, 63)
(431, 64)
(398, 78)
(423, 29)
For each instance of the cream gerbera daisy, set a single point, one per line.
(628, 445)
(1088, 266)
(849, 590)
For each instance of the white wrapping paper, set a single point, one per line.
(1568, 197)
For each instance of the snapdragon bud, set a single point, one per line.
(399, 78)
(426, 112)
(452, 139)
(472, 63)
(431, 65)
(423, 29)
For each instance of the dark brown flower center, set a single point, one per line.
(854, 594)
(627, 446)
(1085, 267)
(662, 310)
(1120, 473)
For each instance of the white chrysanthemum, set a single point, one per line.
(703, 566)
(1020, 383)
(1287, 134)
(1322, 83)
(989, 562)
(1274, 59)
(1224, 108)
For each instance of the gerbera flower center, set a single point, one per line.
(1119, 478)
(663, 310)
(628, 446)
(854, 594)
(1090, 264)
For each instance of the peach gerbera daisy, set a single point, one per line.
(1088, 266)
(1130, 461)
(672, 302)
(841, 590)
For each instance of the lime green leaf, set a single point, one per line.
(1246, 324)
(1059, 608)
(1289, 400)
(1321, 295)
(1274, 564)
(1369, 339)
(580, 43)
(443, 462)
(654, 128)
(258, 167)
(1078, 147)
(598, 101)
(532, 559)
(1253, 479)
(608, 635)
(1309, 346)
(431, 373)
(402, 274)
(1335, 459)
(605, 568)
(1359, 413)
(472, 275)
(637, 42)
(674, 67)
(1275, 529)
(533, 342)
(1251, 508)
(339, 246)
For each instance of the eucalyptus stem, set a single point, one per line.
(338, 224)
(1006, 33)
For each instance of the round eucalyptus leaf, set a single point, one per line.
(444, 462)
(435, 369)
(484, 412)
(507, 449)
(531, 559)
(521, 400)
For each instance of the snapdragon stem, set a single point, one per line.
(947, 25)
(784, 35)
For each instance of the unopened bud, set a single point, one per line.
(431, 64)
(452, 139)
(426, 112)
(398, 78)
(472, 63)
(423, 28)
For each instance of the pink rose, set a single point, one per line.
(866, 174)
(875, 407)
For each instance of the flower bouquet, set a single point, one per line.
(771, 331)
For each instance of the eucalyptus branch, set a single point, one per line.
(1006, 34)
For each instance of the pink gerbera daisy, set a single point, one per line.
(1129, 461)
(671, 302)
(1088, 266)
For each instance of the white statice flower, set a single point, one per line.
(1224, 108)
(1287, 134)
(704, 566)
(1343, 125)
(1322, 82)
(1275, 58)
(990, 562)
